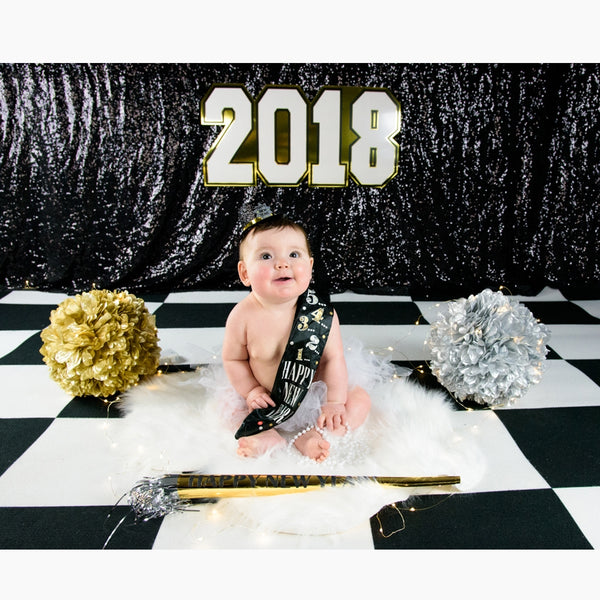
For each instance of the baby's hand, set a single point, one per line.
(333, 416)
(259, 398)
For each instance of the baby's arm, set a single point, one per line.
(334, 373)
(236, 364)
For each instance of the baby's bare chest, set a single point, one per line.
(266, 338)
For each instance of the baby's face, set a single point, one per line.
(276, 264)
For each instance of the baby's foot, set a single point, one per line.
(313, 445)
(255, 445)
(339, 431)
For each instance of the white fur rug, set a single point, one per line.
(172, 423)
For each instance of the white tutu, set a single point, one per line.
(365, 369)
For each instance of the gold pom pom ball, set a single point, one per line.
(100, 342)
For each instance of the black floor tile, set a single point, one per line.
(584, 292)
(152, 296)
(509, 520)
(408, 364)
(192, 315)
(350, 313)
(379, 313)
(552, 354)
(563, 444)
(180, 368)
(590, 367)
(74, 528)
(16, 435)
(423, 376)
(561, 313)
(31, 316)
(27, 353)
(89, 407)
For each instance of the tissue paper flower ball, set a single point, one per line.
(99, 343)
(488, 348)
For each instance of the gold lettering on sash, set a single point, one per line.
(318, 314)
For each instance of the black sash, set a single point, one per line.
(298, 365)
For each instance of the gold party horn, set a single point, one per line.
(192, 486)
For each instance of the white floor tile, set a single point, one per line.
(238, 295)
(431, 310)
(152, 306)
(582, 503)
(354, 297)
(191, 345)
(33, 297)
(506, 466)
(207, 297)
(407, 342)
(76, 462)
(28, 391)
(562, 385)
(590, 306)
(575, 341)
(548, 294)
(208, 529)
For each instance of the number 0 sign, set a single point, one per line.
(282, 138)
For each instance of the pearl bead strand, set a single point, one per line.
(305, 430)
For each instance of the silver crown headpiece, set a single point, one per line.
(252, 215)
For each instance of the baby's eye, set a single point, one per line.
(265, 256)
(294, 254)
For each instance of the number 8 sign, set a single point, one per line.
(282, 138)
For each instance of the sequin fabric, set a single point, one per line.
(101, 180)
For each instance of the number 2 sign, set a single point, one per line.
(282, 138)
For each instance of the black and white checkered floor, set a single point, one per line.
(541, 489)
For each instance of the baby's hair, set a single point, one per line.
(274, 222)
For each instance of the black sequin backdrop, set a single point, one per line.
(498, 181)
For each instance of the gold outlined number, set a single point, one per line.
(374, 156)
(303, 325)
(360, 144)
(317, 315)
(230, 107)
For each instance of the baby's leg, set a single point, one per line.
(358, 405)
(313, 445)
(255, 445)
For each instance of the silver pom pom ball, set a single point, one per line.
(488, 348)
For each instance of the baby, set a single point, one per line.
(276, 263)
